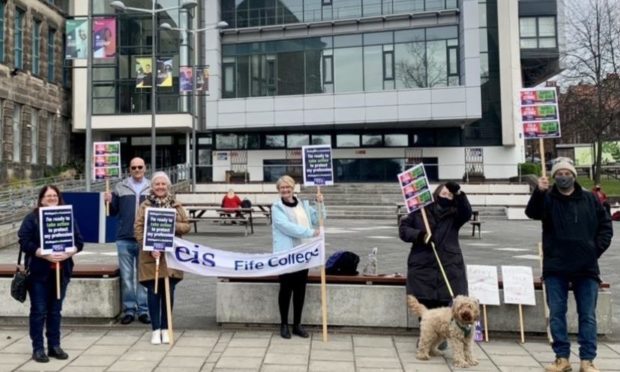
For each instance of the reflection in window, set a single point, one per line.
(18, 38)
(396, 140)
(297, 140)
(410, 65)
(348, 140)
(249, 141)
(274, 141)
(537, 32)
(225, 141)
(348, 70)
(372, 140)
(321, 139)
(17, 132)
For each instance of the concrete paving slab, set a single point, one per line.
(189, 351)
(375, 352)
(484, 365)
(503, 348)
(53, 365)
(330, 366)
(332, 345)
(81, 369)
(172, 369)
(286, 359)
(6, 358)
(94, 361)
(372, 341)
(280, 368)
(105, 350)
(144, 355)
(208, 367)
(205, 342)
(379, 370)
(182, 362)
(257, 352)
(132, 366)
(249, 342)
(422, 367)
(289, 349)
(377, 362)
(515, 360)
(336, 355)
(239, 363)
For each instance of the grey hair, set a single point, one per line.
(163, 175)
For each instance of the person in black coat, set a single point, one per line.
(45, 308)
(450, 211)
(576, 231)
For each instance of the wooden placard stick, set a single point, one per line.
(486, 323)
(156, 274)
(58, 280)
(107, 204)
(543, 165)
(521, 327)
(323, 281)
(428, 235)
(169, 310)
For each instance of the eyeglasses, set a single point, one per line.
(136, 167)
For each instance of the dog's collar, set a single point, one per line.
(465, 328)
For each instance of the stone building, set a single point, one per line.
(35, 127)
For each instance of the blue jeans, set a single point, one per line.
(45, 312)
(132, 292)
(157, 302)
(586, 294)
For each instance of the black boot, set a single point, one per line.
(39, 356)
(284, 332)
(57, 352)
(300, 331)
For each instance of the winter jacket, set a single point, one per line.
(424, 278)
(576, 231)
(287, 234)
(146, 262)
(123, 206)
(29, 241)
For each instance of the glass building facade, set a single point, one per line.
(115, 89)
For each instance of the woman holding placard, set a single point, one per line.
(450, 211)
(159, 197)
(45, 304)
(293, 222)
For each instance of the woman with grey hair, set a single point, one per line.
(160, 196)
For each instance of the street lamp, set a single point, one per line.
(121, 7)
(167, 26)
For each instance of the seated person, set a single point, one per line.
(231, 203)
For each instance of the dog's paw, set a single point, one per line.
(473, 361)
(422, 356)
(436, 352)
(461, 364)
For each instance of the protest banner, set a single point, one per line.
(106, 164)
(56, 234)
(482, 284)
(317, 165)
(519, 289)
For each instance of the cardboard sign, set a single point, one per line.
(106, 160)
(518, 285)
(317, 165)
(159, 224)
(56, 229)
(415, 188)
(539, 113)
(482, 284)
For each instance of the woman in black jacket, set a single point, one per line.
(45, 308)
(449, 212)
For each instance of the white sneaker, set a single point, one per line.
(156, 337)
(165, 339)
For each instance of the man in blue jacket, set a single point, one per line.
(124, 202)
(576, 232)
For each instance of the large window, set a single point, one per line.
(537, 32)
(2, 5)
(18, 38)
(1, 130)
(17, 132)
(49, 140)
(34, 136)
(51, 36)
(254, 13)
(36, 46)
(405, 59)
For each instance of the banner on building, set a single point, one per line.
(144, 72)
(539, 113)
(56, 229)
(104, 34)
(77, 39)
(206, 261)
(159, 229)
(415, 188)
(317, 165)
(107, 160)
(186, 79)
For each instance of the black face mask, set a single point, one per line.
(444, 202)
(564, 182)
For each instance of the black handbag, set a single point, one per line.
(19, 284)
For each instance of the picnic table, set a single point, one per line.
(201, 212)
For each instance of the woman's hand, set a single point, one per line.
(155, 254)
(319, 198)
(54, 257)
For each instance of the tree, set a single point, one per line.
(592, 61)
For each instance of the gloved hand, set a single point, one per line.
(423, 238)
(453, 187)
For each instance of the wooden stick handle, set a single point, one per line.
(107, 204)
(58, 280)
(169, 310)
(543, 165)
(427, 226)
(486, 323)
(521, 324)
(323, 281)
(156, 274)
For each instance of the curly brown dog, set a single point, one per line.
(455, 324)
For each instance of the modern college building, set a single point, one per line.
(388, 83)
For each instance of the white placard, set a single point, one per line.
(482, 283)
(518, 285)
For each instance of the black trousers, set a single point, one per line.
(292, 284)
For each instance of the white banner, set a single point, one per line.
(202, 260)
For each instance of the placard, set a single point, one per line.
(159, 229)
(317, 165)
(106, 160)
(540, 113)
(415, 188)
(518, 285)
(56, 229)
(482, 284)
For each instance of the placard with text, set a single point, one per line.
(56, 229)
(159, 229)
(106, 160)
(518, 285)
(539, 113)
(415, 188)
(317, 165)
(482, 283)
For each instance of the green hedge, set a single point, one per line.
(529, 168)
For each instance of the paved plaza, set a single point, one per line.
(202, 345)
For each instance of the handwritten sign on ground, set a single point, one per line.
(518, 285)
(159, 229)
(482, 283)
(317, 164)
(539, 113)
(415, 188)
(56, 229)
(106, 160)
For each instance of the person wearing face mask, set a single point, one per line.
(450, 211)
(576, 231)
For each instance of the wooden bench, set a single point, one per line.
(242, 216)
(79, 271)
(476, 224)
